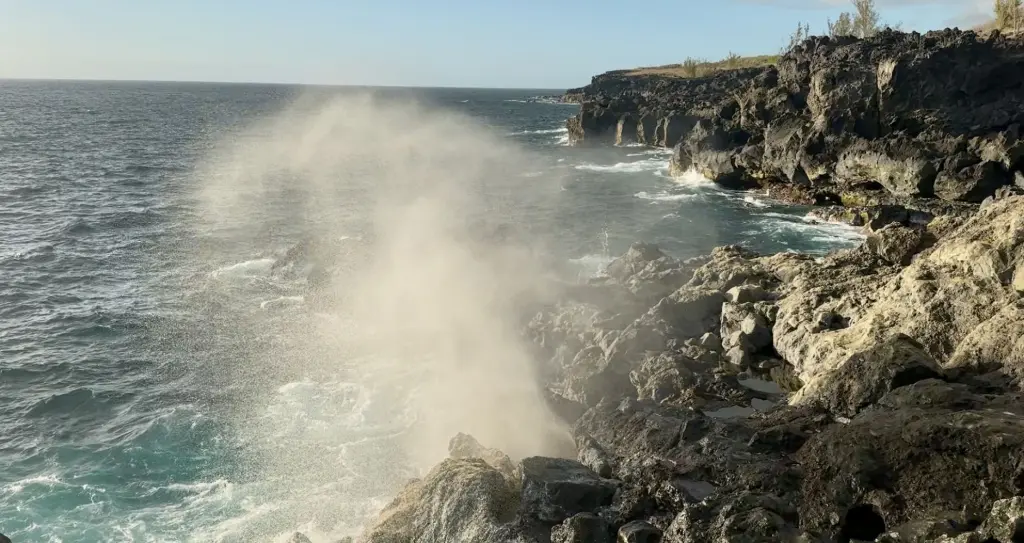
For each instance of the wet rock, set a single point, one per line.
(460, 499)
(582, 528)
(639, 531)
(465, 446)
(555, 489)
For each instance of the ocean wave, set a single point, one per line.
(755, 201)
(259, 267)
(805, 228)
(648, 165)
(659, 151)
(692, 177)
(665, 196)
(591, 265)
(562, 130)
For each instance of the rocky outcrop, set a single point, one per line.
(915, 116)
(874, 394)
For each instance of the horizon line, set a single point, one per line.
(265, 83)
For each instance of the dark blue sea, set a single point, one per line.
(161, 380)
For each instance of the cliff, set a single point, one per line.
(933, 116)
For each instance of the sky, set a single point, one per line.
(549, 44)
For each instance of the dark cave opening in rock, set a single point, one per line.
(862, 523)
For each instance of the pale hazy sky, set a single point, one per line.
(478, 43)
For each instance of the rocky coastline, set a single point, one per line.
(874, 394)
(902, 117)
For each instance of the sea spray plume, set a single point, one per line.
(423, 321)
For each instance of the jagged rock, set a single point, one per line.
(867, 376)
(593, 456)
(890, 466)
(1006, 520)
(901, 167)
(895, 243)
(971, 184)
(744, 328)
(555, 489)
(951, 300)
(465, 446)
(582, 528)
(746, 294)
(639, 531)
(913, 114)
(297, 537)
(459, 500)
(712, 342)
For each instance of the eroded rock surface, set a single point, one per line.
(874, 394)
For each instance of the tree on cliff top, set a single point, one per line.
(864, 22)
(1008, 15)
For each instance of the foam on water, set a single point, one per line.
(666, 196)
(693, 178)
(562, 130)
(648, 165)
(755, 201)
(249, 268)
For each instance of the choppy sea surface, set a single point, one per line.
(157, 379)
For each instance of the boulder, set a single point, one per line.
(465, 446)
(582, 528)
(639, 531)
(461, 499)
(971, 184)
(869, 375)
(895, 243)
(555, 489)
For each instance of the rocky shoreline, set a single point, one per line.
(902, 117)
(874, 394)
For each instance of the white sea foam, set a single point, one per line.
(250, 268)
(693, 178)
(755, 201)
(591, 265)
(666, 196)
(648, 165)
(562, 130)
(659, 151)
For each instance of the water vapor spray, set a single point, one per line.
(414, 335)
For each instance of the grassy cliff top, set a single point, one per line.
(699, 68)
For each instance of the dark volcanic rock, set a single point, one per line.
(582, 528)
(919, 115)
(555, 489)
(904, 362)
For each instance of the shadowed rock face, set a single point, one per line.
(905, 422)
(935, 115)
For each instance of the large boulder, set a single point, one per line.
(461, 499)
(555, 489)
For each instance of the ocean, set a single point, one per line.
(163, 381)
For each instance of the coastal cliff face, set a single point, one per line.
(934, 116)
(871, 395)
